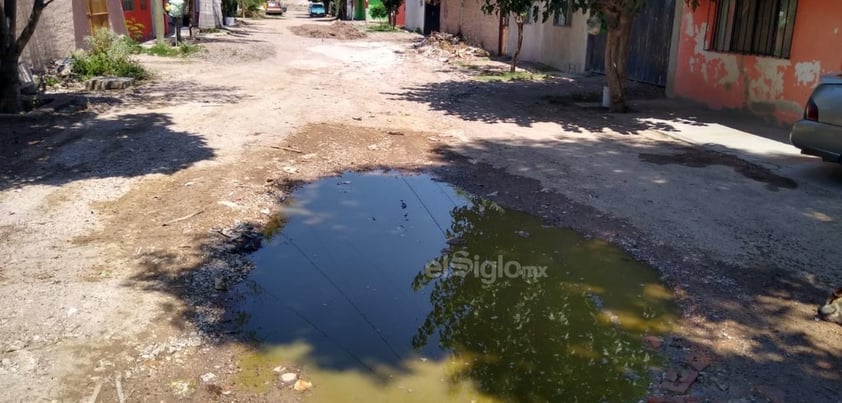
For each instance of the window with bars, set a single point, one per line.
(755, 27)
(128, 5)
(563, 17)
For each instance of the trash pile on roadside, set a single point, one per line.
(444, 45)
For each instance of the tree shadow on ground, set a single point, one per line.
(571, 102)
(163, 93)
(55, 151)
(769, 301)
(73, 141)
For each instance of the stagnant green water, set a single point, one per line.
(383, 287)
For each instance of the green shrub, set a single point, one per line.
(162, 49)
(188, 49)
(382, 27)
(109, 55)
(378, 11)
(135, 29)
(167, 50)
(50, 80)
(506, 76)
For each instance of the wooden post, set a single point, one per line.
(158, 20)
(500, 36)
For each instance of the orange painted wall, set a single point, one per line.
(770, 87)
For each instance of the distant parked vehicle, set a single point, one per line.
(275, 7)
(819, 133)
(317, 10)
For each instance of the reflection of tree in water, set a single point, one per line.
(526, 340)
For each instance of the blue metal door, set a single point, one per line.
(649, 46)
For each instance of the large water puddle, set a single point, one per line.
(382, 287)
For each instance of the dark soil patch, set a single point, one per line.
(700, 158)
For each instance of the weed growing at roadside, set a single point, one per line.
(509, 76)
(110, 54)
(50, 80)
(167, 50)
(382, 27)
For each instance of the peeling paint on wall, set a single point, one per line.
(768, 86)
(807, 73)
(719, 69)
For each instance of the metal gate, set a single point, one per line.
(432, 16)
(649, 46)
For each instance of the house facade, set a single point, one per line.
(763, 56)
(139, 14)
(64, 25)
(53, 38)
(560, 42)
(414, 20)
(465, 17)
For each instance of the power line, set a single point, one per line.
(424, 205)
(318, 329)
(347, 298)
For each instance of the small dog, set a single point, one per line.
(831, 311)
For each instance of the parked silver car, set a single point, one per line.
(819, 133)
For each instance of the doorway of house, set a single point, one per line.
(432, 14)
(649, 47)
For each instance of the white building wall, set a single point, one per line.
(414, 15)
(562, 47)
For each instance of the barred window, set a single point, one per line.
(755, 27)
(128, 5)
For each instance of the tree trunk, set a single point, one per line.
(616, 59)
(516, 55)
(11, 49)
(9, 85)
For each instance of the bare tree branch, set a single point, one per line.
(29, 29)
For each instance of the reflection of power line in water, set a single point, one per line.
(384, 274)
(446, 194)
(318, 329)
(424, 205)
(347, 298)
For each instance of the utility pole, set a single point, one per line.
(158, 20)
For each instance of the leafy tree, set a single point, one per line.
(339, 8)
(229, 8)
(11, 47)
(528, 339)
(520, 9)
(392, 7)
(378, 12)
(618, 17)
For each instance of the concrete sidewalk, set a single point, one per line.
(748, 138)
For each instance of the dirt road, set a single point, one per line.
(122, 225)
